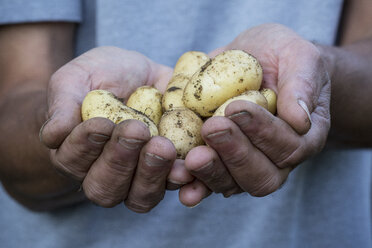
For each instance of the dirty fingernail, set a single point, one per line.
(42, 128)
(98, 139)
(154, 160)
(242, 118)
(220, 137)
(305, 108)
(131, 144)
(206, 166)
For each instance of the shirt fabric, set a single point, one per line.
(326, 201)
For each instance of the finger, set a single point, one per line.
(217, 51)
(160, 76)
(149, 183)
(82, 147)
(299, 86)
(109, 68)
(193, 193)
(204, 163)
(271, 135)
(178, 175)
(108, 181)
(250, 168)
(63, 105)
(274, 137)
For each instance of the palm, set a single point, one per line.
(293, 68)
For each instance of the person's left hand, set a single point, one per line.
(251, 150)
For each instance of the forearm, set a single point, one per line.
(351, 79)
(25, 69)
(26, 171)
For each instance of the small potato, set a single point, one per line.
(147, 100)
(270, 96)
(227, 75)
(251, 95)
(102, 103)
(172, 97)
(182, 127)
(190, 62)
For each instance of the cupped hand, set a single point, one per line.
(251, 150)
(114, 163)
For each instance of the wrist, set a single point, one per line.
(328, 55)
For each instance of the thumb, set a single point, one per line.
(217, 51)
(295, 107)
(299, 90)
(64, 101)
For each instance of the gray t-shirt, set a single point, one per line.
(326, 202)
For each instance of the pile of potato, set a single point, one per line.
(200, 87)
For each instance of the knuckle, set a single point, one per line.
(266, 185)
(219, 183)
(144, 203)
(119, 168)
(262, 136)
(83, 153)
(236, 159)
(68, 170)
(138, 208)
(292, 157)
(100, 196)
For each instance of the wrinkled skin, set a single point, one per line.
(114, 163)
(251, 150)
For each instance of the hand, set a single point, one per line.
(251, 150)
(114, 163)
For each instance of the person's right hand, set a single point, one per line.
(114, 163)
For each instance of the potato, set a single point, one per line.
(147, 100)
(251, 95)
(190, 62)
(182, 127)
(101, 103)
(227, 75)
(270, 96)
(172, 97)
(186, 66)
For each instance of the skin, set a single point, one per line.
(113, 163)
(254, 151)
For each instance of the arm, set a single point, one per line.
(112, 163)
(29, 54)
(350, 67)
(260, 150)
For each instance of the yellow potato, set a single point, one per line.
(147, 100)
(251, 95)
(172, 97)
(182, 127)
(190, 62)
(270, 96)
(227, 75)
(101, 103)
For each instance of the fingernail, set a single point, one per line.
(174, 185)
(304, 107)
(41, 130)
(131, 144)
(80, 188)
(194, 205)
(154, 160)
(242, 118)
(98, 139)
(220, 137)
(206, 166)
